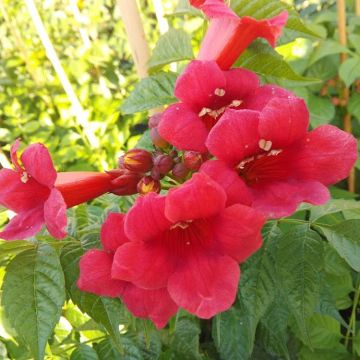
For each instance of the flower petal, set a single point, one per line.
(200, 197)
(183, 128)
(19, 196)
(235, 136)
(113, 232)
(227, 37)
(240, 83)
(55, 214)
(147, 265)
(156, 305)
(258, 99)
(279, 199)
(236, 190)
(284, 121)
(146, 219)
(95, 274)
(213, 8)
(197, 84)
(238, 231)
(24, 225)
(38, 164)
(205, 285)
(327, 155)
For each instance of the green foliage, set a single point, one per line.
(173, 46)
(151, 92)
(33, 295)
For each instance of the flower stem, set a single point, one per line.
(352, 322)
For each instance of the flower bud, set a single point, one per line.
(137, 160)
(155, 174)
(147, 184)
(180, 171)
(193, 160)
(124, 182)
(157, 140)
(163, 163)
(154, 120)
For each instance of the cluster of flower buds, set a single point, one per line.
(140, 171)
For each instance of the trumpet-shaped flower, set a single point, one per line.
(228, 35)
(205, 92)
(95, 277)
(270, 160)
(40, 196)
(190, 243)
(29, 190)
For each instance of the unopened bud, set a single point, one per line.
(193, 160)
(124, 182)
(157, 140)
(154, 120)
(137, 160)
(163, 163)
(147, 184)
(180, 171)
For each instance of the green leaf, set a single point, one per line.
(106, 350)
(325, 48)
(300, 259)
(185, 341)
(345, 238)
(261, 9)
(349, 70)
(354, 105)
(322, 111)
(264, 60)
(145, 141)
(84, 352)
(273, 329)
(11, 248)
(324, 331)
(105, 311)
(151, 92)
(33, 295)
(259, 278)
(332, 207)
(355, 42)
(173, 46)
(231, 335)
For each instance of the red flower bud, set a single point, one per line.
(137, 160)
(147, 184)
(193, 160)
(157, 140)
(180, 171)
(154, 120)
(163, 163)
(124, 182)
(79, 187)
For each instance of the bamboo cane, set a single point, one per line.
(357, 7)
(135, 32)
(80, 114)
(341, 12)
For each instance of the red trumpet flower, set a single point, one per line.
(40, 196)
(229, 35)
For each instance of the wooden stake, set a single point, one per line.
(357, 7)
(130, 15)
(341, 10)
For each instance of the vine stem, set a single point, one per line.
(352, 322)
(341, 14)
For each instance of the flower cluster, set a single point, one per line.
(231, 153)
